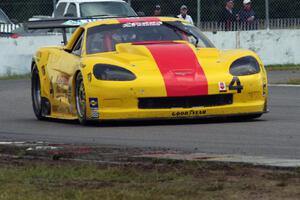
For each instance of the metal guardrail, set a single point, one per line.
(8, 28)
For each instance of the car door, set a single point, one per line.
(68, 62)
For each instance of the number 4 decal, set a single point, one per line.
(236, 85)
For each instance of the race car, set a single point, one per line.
(144, 68)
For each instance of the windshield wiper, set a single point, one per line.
(178, 28)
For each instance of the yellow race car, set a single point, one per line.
(143, 68)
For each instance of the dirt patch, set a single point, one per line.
(81, 172)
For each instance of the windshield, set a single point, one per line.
(3, 18)
(106, 8)
(104, 38)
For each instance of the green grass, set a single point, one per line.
(294, 81)
(155, 181)
(15, 77)
(282, 67)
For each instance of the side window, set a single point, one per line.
(72, 11)
(60, 9)
(78, 45)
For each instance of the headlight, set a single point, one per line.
(245, 66)
(112, 73)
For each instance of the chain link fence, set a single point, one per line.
(22, 10)
(207, 14)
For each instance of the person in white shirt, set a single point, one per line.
(184, 15)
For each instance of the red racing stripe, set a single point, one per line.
(138, 19)
(180, 69)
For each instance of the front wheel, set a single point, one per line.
(80, 97)
(36, 94)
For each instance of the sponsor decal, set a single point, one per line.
(141, 24)
(189, 78)
(95, 115)
(138, 19)
(60, 109)
(222, 87)
(62, 80)
(191, 113)
(94, 103)
(80, 22)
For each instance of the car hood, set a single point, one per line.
(186, 70)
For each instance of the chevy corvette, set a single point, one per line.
(144, 68)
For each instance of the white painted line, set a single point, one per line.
(256, 160)
(283, 85)
(11, 143)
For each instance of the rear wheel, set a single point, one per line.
(80, 97)
(36, 94)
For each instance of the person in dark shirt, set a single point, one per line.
(247, 14)
(228, 16)
(157, 11)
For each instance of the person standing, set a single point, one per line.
(157, 11)
(247, 14)
(184, 15)
(228, 16)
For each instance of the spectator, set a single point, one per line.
(184, 15)
(228, 16)
(157, 11)
(247, 14)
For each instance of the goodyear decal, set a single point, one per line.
(191, 113)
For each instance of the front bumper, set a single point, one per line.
(119, 101)
(178, 113)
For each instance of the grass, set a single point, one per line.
(282, 67)
(294, 81)
(21, 179)
(15, 77)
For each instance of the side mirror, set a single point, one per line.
(141, 14)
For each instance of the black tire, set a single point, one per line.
(36, 94)
(80, 100)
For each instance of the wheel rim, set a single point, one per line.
(81, 100)
(37, 91)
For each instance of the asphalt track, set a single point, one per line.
(275, 135)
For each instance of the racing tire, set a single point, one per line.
(36, 97)
(80, 100)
